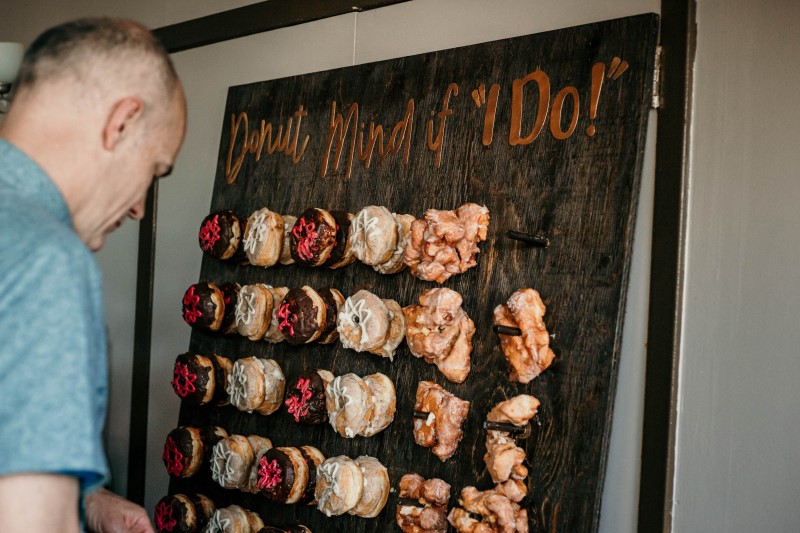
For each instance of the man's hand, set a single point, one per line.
(108, 513)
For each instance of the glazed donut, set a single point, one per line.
(260, 446)
(193, 378)
(334, 301)
(273, 333)
(301, 315)
(222, 369)
(220, 234)
(376, 488)
(234, 519)
(176, 514)
(256, 385)
(350, 405)
(299, 528)
(211, 435)
(342, 254)
(396, 333)
(373, 235)
(396, 262)
(363, 322)
(183, 452)
(340, 484)
(313, 458)
(286, 254)
(282, 474)
(230, 296)
(204, 306)
(231, 461)
(384, 401)
(305, 397)
(254, 311)
(263, 238)
(313, 237)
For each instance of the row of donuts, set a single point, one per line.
(437, 329)
(285, 475)
(352, 405)
(435, 247)
(196, 513)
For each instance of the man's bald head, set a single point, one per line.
(97, 57)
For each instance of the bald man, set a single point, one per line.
(98, 113)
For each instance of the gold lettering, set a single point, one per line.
(555, 116)
(232, 170)
(517, 89)
(338, 132)
(436, 145)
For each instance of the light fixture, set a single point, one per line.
(10, 58)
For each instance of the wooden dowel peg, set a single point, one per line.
(422, 415)
(518, 432)
(506, 330)
(514, 332)
(539, 241)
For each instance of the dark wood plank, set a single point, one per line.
(257, 18)
(580, 191)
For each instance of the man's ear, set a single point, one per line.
(123, 116)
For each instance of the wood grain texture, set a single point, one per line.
(580, 192)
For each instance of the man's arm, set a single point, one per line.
(39, 503)
(108, 513)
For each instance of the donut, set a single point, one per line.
(204, 509)
(222, 369)
(334, 301)
(204, 306)
(177, 514)
(313, 237)
(234, 519)
(373, 235)
(220, 234)
(342, 254)
(384, 402)
(396, 333)
(340, 485)
(376, 488)
(301, 315)
(256, 385)
(273, 333)
(305, 397)
(230, 296)
(282, 474)
(193, 378)
(254, 311)
(350, 405)
(286, 254)
(299, 528)
(363, 322)
(183, 452)
(260, 446)
(263, 237)
(211, 435)
(313, 458)
(231, 460)
(396, 262)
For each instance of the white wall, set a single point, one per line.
(409, 28)
(738, 463)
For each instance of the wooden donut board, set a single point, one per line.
(580, 190)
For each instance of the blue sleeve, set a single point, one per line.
(53, 363)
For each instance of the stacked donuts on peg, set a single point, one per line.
(435, 247)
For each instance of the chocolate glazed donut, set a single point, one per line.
(193, 378)
(230, 296)
(313, 237)
(276, 475)
(301, 315)
(305, 398)
(203, 306)
(334, 300)
(220, 234)
(342, 253)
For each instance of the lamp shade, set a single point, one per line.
(10, 58)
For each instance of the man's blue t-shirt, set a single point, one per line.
(53, 362)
